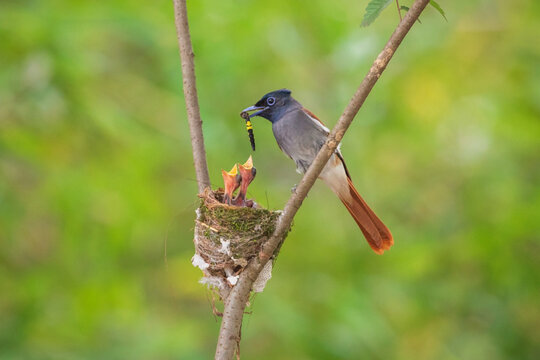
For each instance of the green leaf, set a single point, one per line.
(373, 9)
(438, 7)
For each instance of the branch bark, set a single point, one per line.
(236, 302)
(190, 94)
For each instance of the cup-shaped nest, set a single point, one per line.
(227, 238)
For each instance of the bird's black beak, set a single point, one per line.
(258, 110)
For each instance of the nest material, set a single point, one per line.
(227, 237)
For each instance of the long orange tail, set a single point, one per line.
(377, 234)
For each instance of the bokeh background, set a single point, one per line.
(96, 176)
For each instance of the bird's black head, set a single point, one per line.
(273, 105)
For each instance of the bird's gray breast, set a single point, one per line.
(299, 137)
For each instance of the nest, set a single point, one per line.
(227, 238)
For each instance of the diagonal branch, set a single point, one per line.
(236, 302)
(190, 94)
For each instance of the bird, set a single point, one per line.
(247, 173)
(231, 180)
(300, 135)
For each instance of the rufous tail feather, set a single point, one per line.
(377, 234)
(358, 209)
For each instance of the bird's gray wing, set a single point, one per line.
(300, 136)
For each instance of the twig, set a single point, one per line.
(399, 10)
(190, 94)
(237, 299)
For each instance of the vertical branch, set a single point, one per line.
(236, 302)
(190, 94)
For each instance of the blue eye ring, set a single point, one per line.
(271, 101)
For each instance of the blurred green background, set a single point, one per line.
(96, 176)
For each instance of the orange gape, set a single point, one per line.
(231, 181)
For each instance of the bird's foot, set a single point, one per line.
(293, 189)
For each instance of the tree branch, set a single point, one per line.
(190, 94)
(236, 302)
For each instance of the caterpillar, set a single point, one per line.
(249, 128)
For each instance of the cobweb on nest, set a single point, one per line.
(226, 238)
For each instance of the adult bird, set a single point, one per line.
(300, 135)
